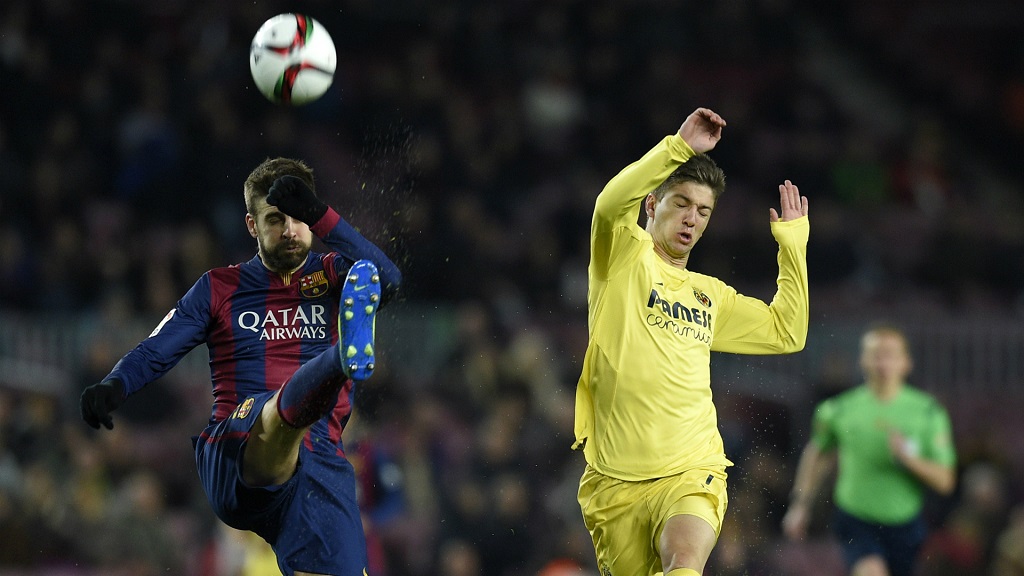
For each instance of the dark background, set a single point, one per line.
(470, 139)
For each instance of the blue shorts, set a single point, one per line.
(312, 521)
(898, 544)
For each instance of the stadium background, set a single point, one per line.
(470, 139)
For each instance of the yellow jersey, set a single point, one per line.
(643, 402)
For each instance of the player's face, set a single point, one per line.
(884, 357)
(677, 221)
(284, 242)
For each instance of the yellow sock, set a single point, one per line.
(683, 572)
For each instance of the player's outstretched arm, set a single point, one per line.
(793, 204)
(702, 130)
(293, 197)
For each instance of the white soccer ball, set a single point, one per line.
(292, 59)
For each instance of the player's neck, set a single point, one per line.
(885, 390)
(676, 262)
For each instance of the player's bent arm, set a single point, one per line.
(345, 240)
(181, 330)
(939, 477)
(792, 301)
(619, 201)
(617, 206)
(752, 327)
(749, 326)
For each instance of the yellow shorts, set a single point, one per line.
(626, 518)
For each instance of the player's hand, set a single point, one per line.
(793, 204)
(900, 447)
(794, 523)
(702, 130)
(99, 400)
(291, 196)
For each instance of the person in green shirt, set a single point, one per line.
(892, 442)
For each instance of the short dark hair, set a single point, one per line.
(258, 184)
(700, 169)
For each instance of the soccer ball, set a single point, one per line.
(292, 59)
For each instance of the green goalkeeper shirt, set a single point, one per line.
(871, 483)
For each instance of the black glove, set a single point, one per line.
(291, 196)
(99, 400)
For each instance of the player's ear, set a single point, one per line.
(250, 224)
(649, 203)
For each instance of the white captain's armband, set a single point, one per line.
(162, 322)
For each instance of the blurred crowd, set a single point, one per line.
(470, 139)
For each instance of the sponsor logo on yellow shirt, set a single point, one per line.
(679, 318)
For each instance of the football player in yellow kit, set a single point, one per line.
(653, 494)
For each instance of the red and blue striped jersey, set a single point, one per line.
(259, 327)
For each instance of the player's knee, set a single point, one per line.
(680, 563)
(686, 542)
(870, 566)
(682, 572)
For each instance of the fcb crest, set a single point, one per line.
(244, 408)
(702, 298)
(313, 285)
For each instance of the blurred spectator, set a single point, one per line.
(963, 544)
(1009, 553)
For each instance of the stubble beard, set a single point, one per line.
(280, 260)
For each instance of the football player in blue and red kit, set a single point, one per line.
(288, 332)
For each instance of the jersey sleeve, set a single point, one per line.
(181, 330)
(823, 426)
(351, 246)
(749, 326)
(617, 207)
